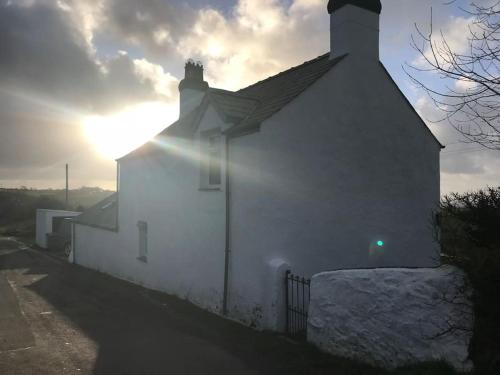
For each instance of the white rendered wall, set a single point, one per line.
(344, 165)
(44, 223)
(186, 226)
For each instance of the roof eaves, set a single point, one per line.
(222, 114)
(93, 216)
(236, 94)
(247, 128)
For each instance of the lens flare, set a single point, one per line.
(117, 134)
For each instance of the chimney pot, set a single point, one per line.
(373, 5)
(192, 88)
(193, 76)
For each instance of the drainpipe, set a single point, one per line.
(227, 253)
(227, 240)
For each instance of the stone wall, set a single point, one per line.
(393, 317)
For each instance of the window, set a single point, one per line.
(211, 152)
(143, 240)
(214, 177)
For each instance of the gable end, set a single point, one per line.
(410, 105)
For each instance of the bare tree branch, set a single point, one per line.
(468, 90)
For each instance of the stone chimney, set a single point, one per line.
(354, 28)
(192, 88)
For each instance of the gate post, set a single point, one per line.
(274, 307)
(287, 329)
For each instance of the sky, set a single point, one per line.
(83, 82)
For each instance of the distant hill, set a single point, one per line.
(84, 196)
(19, 205)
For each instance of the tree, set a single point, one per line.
(470, 96)
(470, 239)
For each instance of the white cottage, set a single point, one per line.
(321, 167)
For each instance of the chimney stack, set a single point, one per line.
(354, 28)
(192, 88)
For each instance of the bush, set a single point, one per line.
(470, 239)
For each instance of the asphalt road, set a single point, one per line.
(58, 318)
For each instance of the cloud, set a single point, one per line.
(245, 42)
(153, 26)
(258, 39)
(51, 77)
(43, 51)
(164, 83)
(464, 165)
(453, 35)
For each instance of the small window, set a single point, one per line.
(143, 241)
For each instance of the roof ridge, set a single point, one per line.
(219, 89)
(285, 71)
(236, 94)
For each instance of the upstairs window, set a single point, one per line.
(214, 169)
(211, 155)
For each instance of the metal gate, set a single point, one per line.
(297, 304)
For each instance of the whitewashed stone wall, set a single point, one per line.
(393, 317)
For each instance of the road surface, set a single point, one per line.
(58, 318)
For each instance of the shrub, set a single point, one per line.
(470, 239)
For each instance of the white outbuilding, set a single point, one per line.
(321, 167)
(44, 221)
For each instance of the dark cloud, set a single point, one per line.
(48, 80)
(41, 51)
(156, 26)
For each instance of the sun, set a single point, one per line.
(115, 135)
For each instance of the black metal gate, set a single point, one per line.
(297, 304)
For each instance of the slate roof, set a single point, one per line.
(277, 91)
(261, 100)
(235, 106)
(248, 107)
(102, 215)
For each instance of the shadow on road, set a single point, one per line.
(139, 331)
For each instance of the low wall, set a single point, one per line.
(393, 317)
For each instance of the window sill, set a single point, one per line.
(215, 188)
(143, 259)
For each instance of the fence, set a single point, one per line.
(297, 304)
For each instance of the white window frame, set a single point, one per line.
(210, 154)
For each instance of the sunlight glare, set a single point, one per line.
(115, 135)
